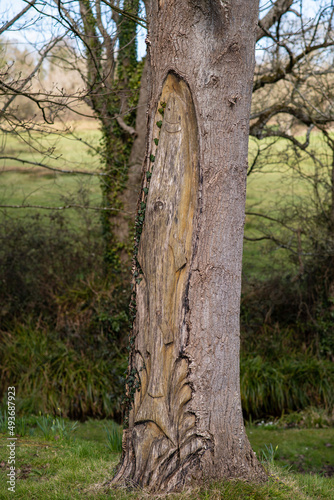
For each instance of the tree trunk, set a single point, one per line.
(185, 423)
(332, 189)
(129, 197)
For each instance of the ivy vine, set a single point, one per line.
(132, 384)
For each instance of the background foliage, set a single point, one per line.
(65, 268)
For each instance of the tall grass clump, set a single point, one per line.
(114, 434)
(56, 428)
(287, 344)
(49, 374)
(270, 388)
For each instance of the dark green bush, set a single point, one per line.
(291, 383)
(64, 321)
(41, 258)
(51, 376)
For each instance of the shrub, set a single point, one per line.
(48, 375)
(291, 383)
(64, 322)
(40, 258)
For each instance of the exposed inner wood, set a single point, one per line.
(164, 255)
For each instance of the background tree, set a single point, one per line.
(291, 119)
(106, 41)
(283, 98)
(94, 325)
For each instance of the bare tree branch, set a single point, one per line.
(124, 126)
(21, 85)
(65, 207)
(57, 170)
(15, 18)
(142, 22)
(279, 8)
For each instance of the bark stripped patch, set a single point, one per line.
(162, 433)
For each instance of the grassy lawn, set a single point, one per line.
(48, 190)
(278, 187)
(302, 450)
(28, 184)
(80, 467)
(64, 150)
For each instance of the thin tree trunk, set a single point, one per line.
(332, 189)
(331, 286)
(185, 423)
(129, 197)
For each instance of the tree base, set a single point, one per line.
(169, 475)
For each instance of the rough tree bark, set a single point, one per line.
(186, 424)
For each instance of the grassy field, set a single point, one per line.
(80, 464)
(282, 185)
(72, 149)
(30, 184)
(270, 187)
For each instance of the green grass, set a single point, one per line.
(302, 450)
(65, 150)
(50, 469)
(283, 179)
(25, 184)
(48, 189)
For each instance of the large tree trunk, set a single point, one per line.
(186, 424)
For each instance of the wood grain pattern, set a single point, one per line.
(165, 252)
